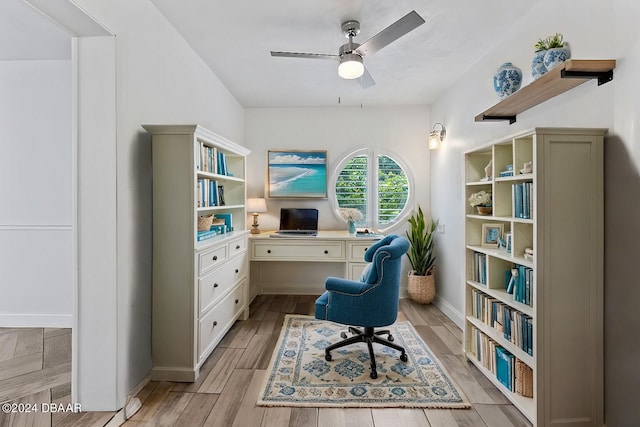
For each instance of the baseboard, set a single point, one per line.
(293, 289)
(36, 320)
(173, 374)
(449, 311)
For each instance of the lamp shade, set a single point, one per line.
(256, 205)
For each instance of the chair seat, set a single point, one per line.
(371, 302)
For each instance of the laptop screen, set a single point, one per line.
(298, 219)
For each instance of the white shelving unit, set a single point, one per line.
(561, 369)
(200, 288)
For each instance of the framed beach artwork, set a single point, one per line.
(297, 174)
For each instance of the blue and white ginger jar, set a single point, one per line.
(507, 80)
(537, 64)
(556, 56)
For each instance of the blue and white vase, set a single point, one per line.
(556, 56)
(537, 64)
(507, 80)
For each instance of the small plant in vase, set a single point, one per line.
(482, 202)
(351, 215)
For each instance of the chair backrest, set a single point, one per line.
(385, 257)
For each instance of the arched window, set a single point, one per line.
(375, 183)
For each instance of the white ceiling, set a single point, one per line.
(235, 39)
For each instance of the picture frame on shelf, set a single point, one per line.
(491, 235)
(297, 174)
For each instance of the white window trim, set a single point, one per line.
(372, 190)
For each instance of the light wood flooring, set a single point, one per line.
(35, 367)
(229, 383)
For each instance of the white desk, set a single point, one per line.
(300, 265)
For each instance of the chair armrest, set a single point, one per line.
(344, 286)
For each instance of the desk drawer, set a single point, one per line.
(212, 258)
(355, 251)
(298, 251)
(216, 283)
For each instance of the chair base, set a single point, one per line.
(369, 336)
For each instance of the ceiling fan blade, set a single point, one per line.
(366, 80)
(304, 55)
(390, 34)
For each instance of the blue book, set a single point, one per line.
(204, 235)
(504, 361)
(228, 220)
(517, 200)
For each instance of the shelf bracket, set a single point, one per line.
(602, 76)
(512, 119)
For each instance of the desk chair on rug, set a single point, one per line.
(371, 302)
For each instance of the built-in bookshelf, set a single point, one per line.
(534, 295)
(200, 262)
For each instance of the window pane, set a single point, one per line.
(351, 185)
(393, 190)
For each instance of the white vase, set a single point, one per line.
(556, 56)
(507, 79)
(537, 64)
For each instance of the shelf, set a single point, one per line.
(564, 77)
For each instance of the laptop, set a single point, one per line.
(297, 222)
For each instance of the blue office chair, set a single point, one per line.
(371, 302)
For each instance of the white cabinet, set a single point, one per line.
(539, 338)
(300, 265)
(199, 286)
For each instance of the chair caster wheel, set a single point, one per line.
(327, 357)
(404, 357)
(390, 338)
(373, 375)
(343, 335)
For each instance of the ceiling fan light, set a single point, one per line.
(351, 66)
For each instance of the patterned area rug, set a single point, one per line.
(298, 375)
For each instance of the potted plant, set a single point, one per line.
(482, 202)
(421, 283)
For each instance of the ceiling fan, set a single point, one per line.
(350, 54)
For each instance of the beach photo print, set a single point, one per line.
(297, 174)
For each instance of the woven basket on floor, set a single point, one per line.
(422, 289)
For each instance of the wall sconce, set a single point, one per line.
(256, 206)
(436, 136)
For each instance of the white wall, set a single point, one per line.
(401, 130)
(36, 248)
(596, 29)
(159, 80)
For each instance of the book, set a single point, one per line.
(504, 367)
(204, 235)
(228, 219)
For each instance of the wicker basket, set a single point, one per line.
(422, 289)
(204, 223)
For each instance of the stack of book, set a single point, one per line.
(480, 267)
(508, 171)
(210, 193)
(205, 235)
(522, 196)
(520, 283)
(210, 160)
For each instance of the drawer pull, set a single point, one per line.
(215, 323)
(215, 258)
(268, 251)
(237, 300)
(237, 246)
(215, 285)
(326, 251)
(237, 271)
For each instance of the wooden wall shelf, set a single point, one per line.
(572, 73)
